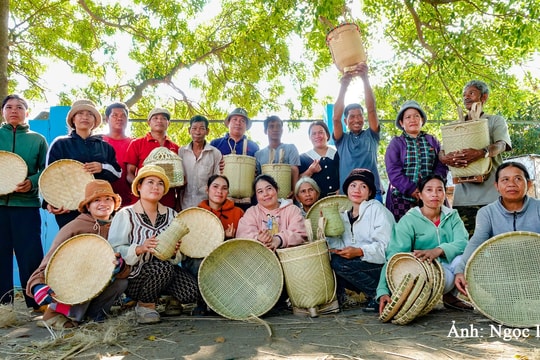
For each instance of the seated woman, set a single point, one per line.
(95, 217)
(133, 234)
(432, 232)
(513, 211)
(276, 223)
(306, 192)
(357, 256)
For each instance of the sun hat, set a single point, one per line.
(241, 112)
(95, 189)
(149, 170)
(363, 175)
(156, 111)
(410, 104)
(80, 105)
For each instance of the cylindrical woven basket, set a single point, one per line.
(240, 170)
(170, 162)
(282, 174)
(503, 281)
(80, 268)
(205, 232)
(166, 247)
(472, 134)
(346, 46)
(309, 278)
(240, 279)
(314, 212)
(13, 171)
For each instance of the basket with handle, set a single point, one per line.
(166, 247)
(345, 44)
(280, 172)
(240, 170)
(168, 161)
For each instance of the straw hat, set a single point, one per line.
(95, 189)
(205, 232)
(16, 174)
(157, 111)
(238, 111)
(80, 268)
(79, 105)
(149, 170)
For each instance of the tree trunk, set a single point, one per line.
(4, 47)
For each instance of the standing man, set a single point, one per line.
(200, 161)
(273, 128)
(358, 148)
(116, 116)
(158, 120)
(470, 197)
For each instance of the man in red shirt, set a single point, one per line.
(159, 120)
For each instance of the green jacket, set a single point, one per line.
(32, 147)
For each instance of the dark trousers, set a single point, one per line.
(355, 274)
(20, 233)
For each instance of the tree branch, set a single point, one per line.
(418, 25)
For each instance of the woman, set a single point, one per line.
(276, 223)
(409, 158)
(306, 192)
(357, 256)
(513, 211)
(133, 234)
(97, 156)
(96, 210)
(322, 162)
(20, 220)
(432, 232)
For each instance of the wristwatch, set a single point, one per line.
(486, 152)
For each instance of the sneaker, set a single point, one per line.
(173, 307)
(146, 315)
(372, 306)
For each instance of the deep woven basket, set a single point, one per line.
(240, 170)
(345, 44)
(170, 162)
(166, 247)
(309, 278)
(314, 212)
(334, 226)
(241, 279)
(472, 134)
(503, 281)
(282, 174)
(13, 171)
(80, 268)
(205, 232)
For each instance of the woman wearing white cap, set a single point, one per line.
(80, 144)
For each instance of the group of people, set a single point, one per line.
(130, 203)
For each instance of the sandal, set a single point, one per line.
(452, 302)
(57, 322)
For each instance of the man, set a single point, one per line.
(116, 116)
(276, 151)
(470, 197)
(200, 160)
(158, 121)
(358, 148)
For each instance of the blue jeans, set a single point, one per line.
(356, 274)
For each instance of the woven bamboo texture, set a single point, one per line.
(401, 264)
(80, 268)
(503, 281)
(346, 46)
(437, 278)
(282, 174)
(309, 278)
(170, 162)
(205, 232)
(414, 310)
(472, 134)
(398, 298)
(334, 226)
(14, 171)
(314, 212)
(240, 170)
(241, 279)
(166, 247)
(63, 183)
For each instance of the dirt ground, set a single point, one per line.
(351, 334)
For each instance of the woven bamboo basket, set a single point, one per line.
(345, 44)
(80, 268)
(398, 298)
(241, 279)
(240, 170)
(16, 174)
(436, 276)
(414, 304)
(472, 134)
(166, 247)
(503, 281)
(168, 161)
(401, 264)
(282, 174)
(205, 232)
(314, 212)
(309, 278)
(334, 226)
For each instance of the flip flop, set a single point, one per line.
(452, 302)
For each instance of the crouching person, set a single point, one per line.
(96, 210)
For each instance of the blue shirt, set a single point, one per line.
(226, 145)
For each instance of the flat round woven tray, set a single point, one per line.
(240, 279)
(398, 298)
(401, 264)
(80, 268)
(14, 171)
(414, 304)
(436, 276)
(63, 183)
(503, 281)
(205, 232)
(314, 212)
